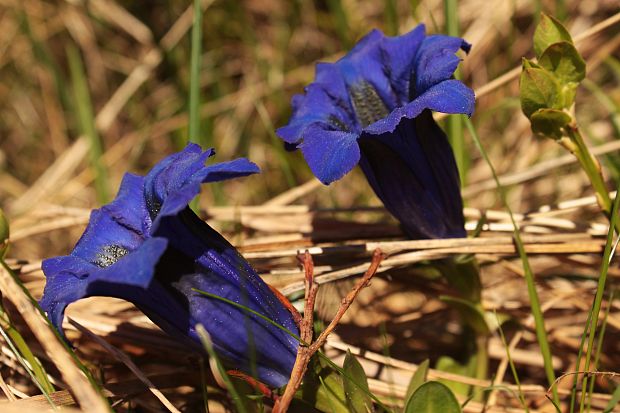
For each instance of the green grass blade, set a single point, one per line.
(454, 124)
(295, 336)
(599, 348)
(249, 310)
(194, 78)
(83, 106)
(391, 18)
(513, 369)
(26, 358)
(279, 150)
(208, 345)
(600, 290)
(539, 321)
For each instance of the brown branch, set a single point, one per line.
(305, 351)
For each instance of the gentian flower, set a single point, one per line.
(373, 108)
(149, 248)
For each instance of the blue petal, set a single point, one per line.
(245, 341)
(317, 106)
(412, 170)
(366, 64)
(436, 60)
(66, 283)
(122, 223)
(330, 154)
(400, 59)
(176, 180)
(71, 278)
(449, 96)
(369, 91)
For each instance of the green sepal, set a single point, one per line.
(433, 397)
(356, 386)
(550, 123)
(539, 89)
(548, 32)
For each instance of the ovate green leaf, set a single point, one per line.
(539, 90)
(356, 386)
(418, 379)
(548, 32)
(433, 397)
(550, 123)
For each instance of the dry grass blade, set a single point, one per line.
(84, 392)
(122, 357)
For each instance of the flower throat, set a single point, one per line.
(367, 104)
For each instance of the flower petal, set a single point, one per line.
(401, 52)
(412, 170)
(71, 278)
(330, 154)
(175, 181)
(436, 60)
(449, 96)
(244, 340)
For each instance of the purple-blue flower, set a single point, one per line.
(149, 248)
(373, 108)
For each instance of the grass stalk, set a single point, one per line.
(86, 118)
(20, 347)
(598, 298)
(237, 398)
(539, 321)
(599, 348)
(592, 168)
(194, 77)
(454, 124)
(511, 363)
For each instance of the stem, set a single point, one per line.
(591, 167)
(454, 124)
(539, 320)
(482, 362)
(598, 299)
(305, 352)
(194, 83)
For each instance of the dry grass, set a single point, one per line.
(256, 55)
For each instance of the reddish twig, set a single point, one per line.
(305, 350)
(255, 384)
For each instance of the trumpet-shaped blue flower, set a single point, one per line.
(372, 108)
(149, 248)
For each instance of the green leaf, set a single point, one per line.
(564, 61)
(548, 32)
(450, 365)
(539, 90)
(323, 388)
(614, 401)
(550, 123)
(569, 68)
(355, 382)
(418, 379)
(433, 397)
(4, 233)
(472, 314)
(463, 275)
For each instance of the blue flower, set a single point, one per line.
(149, 248)
(372, 108)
